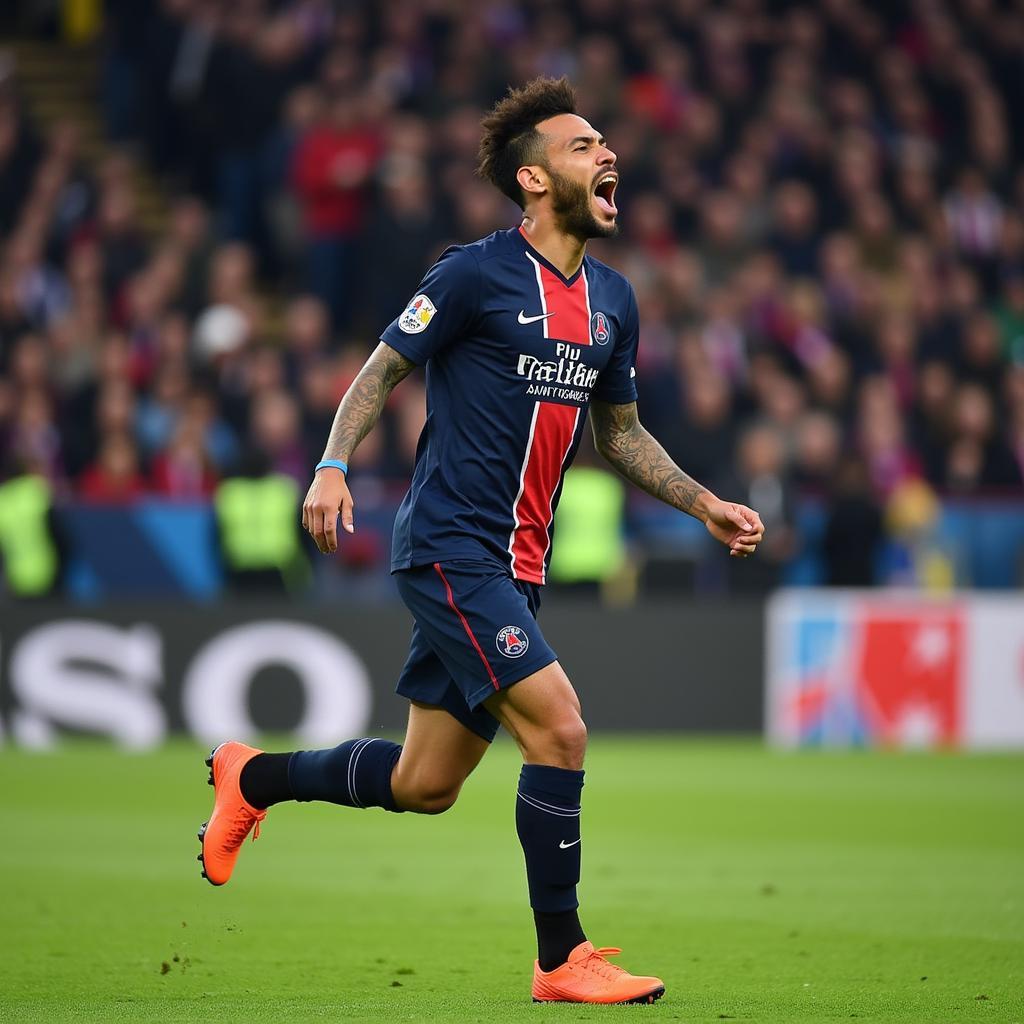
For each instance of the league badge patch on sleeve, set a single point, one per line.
(417, 315)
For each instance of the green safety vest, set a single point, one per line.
(257, 523)
(27, 550)
(588, 543)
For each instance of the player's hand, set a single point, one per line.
(328, 495)
(738, 527)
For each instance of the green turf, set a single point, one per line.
(761, 886)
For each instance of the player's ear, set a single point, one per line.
(532, 179)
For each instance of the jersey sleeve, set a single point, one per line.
(443, 308)
(617, 382)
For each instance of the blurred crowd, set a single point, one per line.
(822, 211)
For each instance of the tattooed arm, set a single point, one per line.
(358, 412)
(364, 401)
(624, 442)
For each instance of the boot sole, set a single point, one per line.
(646, 999)
(202, 828)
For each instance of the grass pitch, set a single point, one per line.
(761, 886)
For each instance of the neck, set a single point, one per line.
(561, 250)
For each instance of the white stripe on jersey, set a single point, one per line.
(590, 312)
(551, 501)
(522, 480)
(540, 288)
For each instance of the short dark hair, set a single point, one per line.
(510, 138)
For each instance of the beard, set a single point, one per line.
(574, 214)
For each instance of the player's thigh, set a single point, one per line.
(477, 623)
(438, 755)
(542, 713)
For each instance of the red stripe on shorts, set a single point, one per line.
(465, 625)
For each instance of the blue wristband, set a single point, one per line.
(334, 464)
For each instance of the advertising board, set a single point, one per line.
(137, 674)
(877, 668)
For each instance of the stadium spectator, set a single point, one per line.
(853, 527)
(182, 470)
(822, 210)
(763, 481)
(20, 151)
(331, 171)
(114, 478)
(591, 550)
(307, 336)
(31, 553)
(257, 526)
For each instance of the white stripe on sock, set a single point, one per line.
(548, 808)
(355, 764)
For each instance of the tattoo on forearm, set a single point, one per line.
(625, 443)
(364, 401)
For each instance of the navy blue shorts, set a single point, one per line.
(475, 633)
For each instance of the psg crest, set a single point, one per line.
(512, 641)
(600, 328)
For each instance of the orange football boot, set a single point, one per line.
(233, 817)
(587, 977)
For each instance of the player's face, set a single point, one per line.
(583, 177)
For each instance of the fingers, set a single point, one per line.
(742, 550)
(348, 513)
(320, 520)
(307, 505)
(747, 538)
(316, 523)
(744, 544)
(311, 522)
(752, 517)
(316, 528)
(330, 530)
(735, 515)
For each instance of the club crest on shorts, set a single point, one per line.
(512, 641)
(600, 328)
(417, 315)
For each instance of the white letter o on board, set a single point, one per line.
(334, 679)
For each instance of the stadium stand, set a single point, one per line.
(196, 257)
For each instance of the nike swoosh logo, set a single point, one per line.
(563, 845)
(524, 319)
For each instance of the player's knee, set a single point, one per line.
(572, 737)
(437, 800)
(565, 743)
(425, 795)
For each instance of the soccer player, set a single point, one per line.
(521, 334)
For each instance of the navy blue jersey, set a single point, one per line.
(514, 352)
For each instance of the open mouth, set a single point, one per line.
(604, 193)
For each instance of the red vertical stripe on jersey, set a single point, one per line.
(552, 435)
(568, 303)
(553, 429)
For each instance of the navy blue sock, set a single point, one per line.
(548, 824)
(357, 773)
(264, 780)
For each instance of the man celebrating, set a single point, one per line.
(521, 333)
